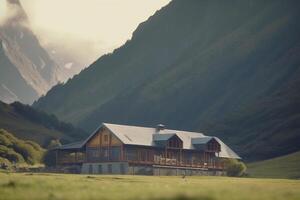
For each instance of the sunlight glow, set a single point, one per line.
(100, 24)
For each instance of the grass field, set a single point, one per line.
(73, 187)
(281, 167)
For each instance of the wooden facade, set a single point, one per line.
(104, 146)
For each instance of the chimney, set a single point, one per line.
(159, 127)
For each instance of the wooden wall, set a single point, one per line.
(103, 147)
(104, 138)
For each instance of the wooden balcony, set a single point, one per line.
(72, 158)
(216, 165)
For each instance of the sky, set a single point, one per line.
(88, 28)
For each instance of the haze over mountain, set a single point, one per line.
(80, 31)
(199, 65)
(27, 70)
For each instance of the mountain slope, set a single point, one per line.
(287, 166)
(269, 127)
(22, 49)
(192, 64)
(13, 87)
(29, 124)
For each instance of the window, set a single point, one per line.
(100, 169)
(90, 169)
(105, 138)
(109, 168)
(145, 155)
(174, 143)
(213, 146)
(105, 153)
(122, 168)
(131, 154)
(115, 153)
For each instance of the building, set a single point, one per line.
(122, 149)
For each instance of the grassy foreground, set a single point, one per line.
(64, 187)
(281, 167)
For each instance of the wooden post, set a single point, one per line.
(100, 145)
(56, 158)
(122, 153)
(86, 153)
(75, 157)
(166, 151)
(109, 144)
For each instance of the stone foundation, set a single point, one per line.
(156, 170)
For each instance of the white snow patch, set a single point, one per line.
(69, 65)
(4, 46)
(12, 96)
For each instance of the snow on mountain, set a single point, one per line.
(23, 51)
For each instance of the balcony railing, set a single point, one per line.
(176, 163)
(213, 164)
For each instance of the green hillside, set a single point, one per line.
(16, 151)
(28, 124)
(198, 65)
(282, 167)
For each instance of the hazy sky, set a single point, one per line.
(95, 26)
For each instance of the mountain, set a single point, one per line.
(27, 70)
(269, 127)
(29, 124)
(199, 65)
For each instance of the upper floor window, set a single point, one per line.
(213, 146)
(105, 138)
(175, 143)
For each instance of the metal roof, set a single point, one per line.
(163, 137)
(74, 145)
(201, 140)
(146, 136)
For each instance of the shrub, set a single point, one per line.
(8, 136)
(36, 146)
(235, 168)
(4, 140)
(10, 154)
(29, 153)
(5, 164)
(17, 150)
(53, 144)
(49, 158)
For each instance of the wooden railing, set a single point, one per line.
(175, 163)
(71, 159)
(213, 164)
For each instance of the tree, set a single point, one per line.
(49, 158)
(53, 144)
(235, 168)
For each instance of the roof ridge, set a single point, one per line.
(135, 126)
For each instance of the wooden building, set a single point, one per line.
(121, 149)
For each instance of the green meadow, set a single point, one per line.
(71, 187)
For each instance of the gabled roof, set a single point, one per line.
(146, 136)
(201, 140)
(74, 145)
(163, 137)
(136, 135)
